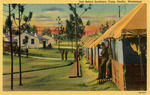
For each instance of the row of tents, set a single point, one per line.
(128, 45)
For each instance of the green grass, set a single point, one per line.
(31, 63)
(51, 74)
(57, 79)
(51, 53)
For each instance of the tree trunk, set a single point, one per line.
(77, 46)
(20, 81)
(11, 48)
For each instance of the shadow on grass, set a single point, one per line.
(40, 69)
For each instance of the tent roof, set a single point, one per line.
(92, 40)
(87, 41)
(131, 25)
(83, 38)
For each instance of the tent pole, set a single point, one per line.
(140, 54)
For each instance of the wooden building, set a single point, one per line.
(6, 42)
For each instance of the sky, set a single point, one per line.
(44, 15)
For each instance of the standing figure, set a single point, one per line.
(62, 54)
(16, 50)
(102, 66)
(26, 50)
(66, 52)
(108, 64)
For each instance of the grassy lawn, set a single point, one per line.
(54, 79)
(51, 53)
(29, 64)
(51, 74)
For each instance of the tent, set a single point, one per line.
(133, 25)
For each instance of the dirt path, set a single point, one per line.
(68, 47)
(30, 56)
(48, 58)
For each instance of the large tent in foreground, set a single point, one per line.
(128, 44)
(132, 25)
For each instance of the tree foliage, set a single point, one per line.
(46, 31)
(79, 22)
(33, 29)
(5, 29)
(70, 28)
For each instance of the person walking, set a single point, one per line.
(66, 52)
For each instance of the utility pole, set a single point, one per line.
(10, 24)
(20, 81)
(119, 11)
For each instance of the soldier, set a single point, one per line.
(108, 64)
(26, 50)
(62, 54)
(66, 54)
(104, 58)
(16, 50)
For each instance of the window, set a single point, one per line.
(24, 41)
(32, 41)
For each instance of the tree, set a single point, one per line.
(33, 29)
(26, 26)
(5, 28)
(79, 27)
(8, 26)
(46, 31)
(26, 40)
(104, 28)
(19, 18)
(70, 29)
(60, 28)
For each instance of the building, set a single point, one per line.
(6, 42)
(50, 39)
(30, 40)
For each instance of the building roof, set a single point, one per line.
(8, 38)
(35, 35)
